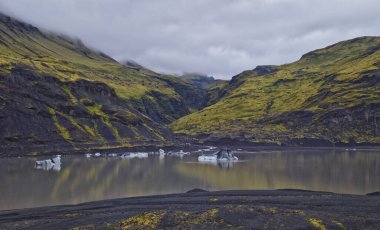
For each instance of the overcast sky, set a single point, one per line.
(215, 37)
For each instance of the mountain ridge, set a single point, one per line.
(330, 96)
(59, 95)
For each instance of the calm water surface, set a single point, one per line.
(82, 179)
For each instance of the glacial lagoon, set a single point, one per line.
(81, 179)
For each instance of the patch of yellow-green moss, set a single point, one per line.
(97, 110)
(317, 223)
(207, 218)
(83, 128)
(61, 129)
(90, 130)
(147, 220)
(68, 91)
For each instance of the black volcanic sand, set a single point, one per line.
(197, 209)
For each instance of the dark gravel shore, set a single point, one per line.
(198, 209)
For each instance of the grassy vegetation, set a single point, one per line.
(317, 223)
(148, 220)
(70, 60)
(331, 93)
(326, 80)
(68, 91)
(61, 129)
(144, 99)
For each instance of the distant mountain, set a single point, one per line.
(200, 80)
(214, 87)
(330, 96)
(57, 94)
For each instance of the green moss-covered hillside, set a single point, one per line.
(56, 93)
(329, 96)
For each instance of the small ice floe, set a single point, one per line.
(351, 149)
(180, 154)
(134, 155)
(53, 163)
(88, 155)
(162, 153)
(97, 154)
(112, 155)
(183, 153)
(221, 155)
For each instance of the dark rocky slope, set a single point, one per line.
(57, 94)
(41, 113)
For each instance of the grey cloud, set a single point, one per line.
(217, 37)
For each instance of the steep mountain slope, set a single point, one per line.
(55, 93)
(331, 95)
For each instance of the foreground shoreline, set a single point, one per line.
(245, 209)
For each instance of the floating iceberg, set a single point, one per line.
(53, 163)
(180, 154)
(221, 155)
(162, 153)
(134, 155)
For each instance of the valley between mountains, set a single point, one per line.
(56, 94)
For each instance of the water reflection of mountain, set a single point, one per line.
(341, 172)
(220, 164)
(84, 179)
